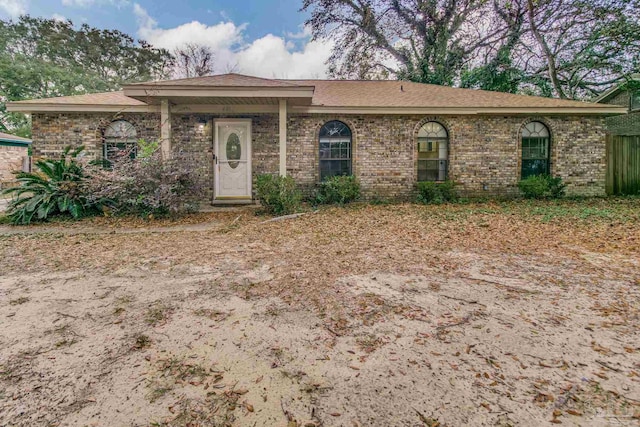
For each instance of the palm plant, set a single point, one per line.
(56, 189)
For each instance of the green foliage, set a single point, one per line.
(542, 187)
(278, 195)
(498, 75)
(42, 58)
(436, 192)
(338, 190)
(147, 149)
(56, 189)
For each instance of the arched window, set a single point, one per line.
(535, 150)
(120, 140)
(335, 149)
(433, 152)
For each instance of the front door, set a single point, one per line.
(233, 160)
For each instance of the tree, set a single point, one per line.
(426, 41)
(566, 48)
(578, 48)
(192, 60)
(42, 58)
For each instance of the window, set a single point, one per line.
(535, 150)
(120, 140)
(335, 149)
(433, 152)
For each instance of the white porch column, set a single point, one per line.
(283, 136)
(165, 128)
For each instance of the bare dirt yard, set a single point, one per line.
(488, 314)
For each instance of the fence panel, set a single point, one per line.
(623, 164)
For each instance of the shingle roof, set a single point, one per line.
(102, 98)
(221, 80)
(389, 93)
(343, 94)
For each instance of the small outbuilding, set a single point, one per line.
(14, 155)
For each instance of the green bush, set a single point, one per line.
(542, 187)
(57, 188)
(338, 190)
(278, 195)
(436, 192)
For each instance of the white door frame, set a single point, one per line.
(231, 199)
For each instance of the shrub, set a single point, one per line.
(57, 188)
(338, 190)
(542, 187)
(147, 185)
(436, 192)
(278, 194)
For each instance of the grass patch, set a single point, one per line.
(157, 314)
(141, 342)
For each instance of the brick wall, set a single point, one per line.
(484, 151)
(625, 124)
(11, 158)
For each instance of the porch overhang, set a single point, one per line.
(153, 95)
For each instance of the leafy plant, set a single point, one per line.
(338, 190)
(147, 149)
(147, 186)
(58, 188)
(436, 192)
(542, 187)
(278, 194)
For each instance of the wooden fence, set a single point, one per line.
(623, 164)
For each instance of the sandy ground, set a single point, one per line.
(286, 324)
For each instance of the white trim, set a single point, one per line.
(598, 109)
(204, 92)
(244, 108)
(81, 108)
(282, 127)
(165, 128)
(216, 147)
(223, 109)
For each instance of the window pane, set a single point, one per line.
(119, 150)
(534, 167)
(335, 149)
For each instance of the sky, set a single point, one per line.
(264, 38)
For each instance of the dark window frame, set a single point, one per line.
(116, 144)
(535, 153)
(429, 169)
(335, 150)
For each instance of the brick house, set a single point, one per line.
(621, 95)
(14, 155)
(389, 134)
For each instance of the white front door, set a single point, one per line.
(233, 160)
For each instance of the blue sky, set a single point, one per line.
(262, 37)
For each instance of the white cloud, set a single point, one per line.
(14, 8)
(269, 56)
(58, 17)
(87, 3)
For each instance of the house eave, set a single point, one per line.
(596, 110)
(301, 109)
(152, 94)
(19, 107)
